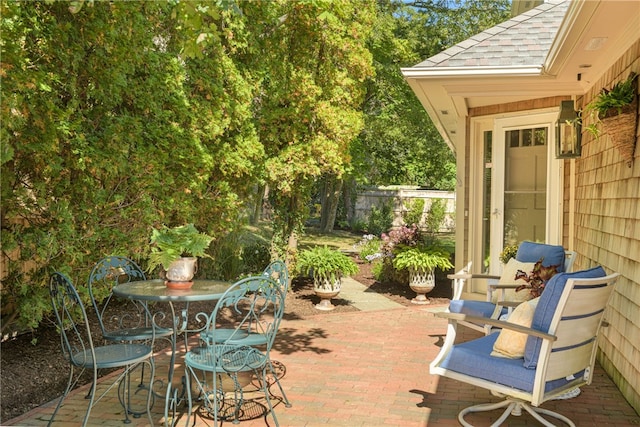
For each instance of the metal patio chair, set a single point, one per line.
(278, 271)
(135, 326)
(79, 349)
(501, 289)
(559, 355)
(250, 308)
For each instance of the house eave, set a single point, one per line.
(473, 72)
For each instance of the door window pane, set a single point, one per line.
(525, 186)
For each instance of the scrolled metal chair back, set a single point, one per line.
(279, 272)
(71, 317)
(107, 273)
(254, 305)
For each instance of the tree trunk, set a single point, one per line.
(331, 197)
(348, 190)
(261, 196)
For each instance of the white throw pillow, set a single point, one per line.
(508, 278)
(510, 343)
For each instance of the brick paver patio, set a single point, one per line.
(367, 368)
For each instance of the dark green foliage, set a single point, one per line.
(120, 117)
(380, 219)
(107, 133)
(400, 144)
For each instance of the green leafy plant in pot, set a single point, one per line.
(421, 261)
(616, 111)
(327, 267)
(176, 250)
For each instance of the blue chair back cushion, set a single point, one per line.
(473, 308)
(532, 252)
(547, 306)
(474, 358)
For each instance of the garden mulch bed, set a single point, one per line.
(33, 372)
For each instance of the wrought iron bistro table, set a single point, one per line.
(157, 291)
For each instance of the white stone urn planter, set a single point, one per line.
(326, 288)
(421, 282)
(327, 266)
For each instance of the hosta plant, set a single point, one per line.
(322, 262)
(422, 258)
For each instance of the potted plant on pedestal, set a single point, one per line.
(327, 267)
(176, 250)
(421, 261)
(616, 110)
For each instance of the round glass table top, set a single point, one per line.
(157, 290)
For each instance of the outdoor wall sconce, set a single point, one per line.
(568, 132)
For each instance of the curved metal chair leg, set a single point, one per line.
(277, 380)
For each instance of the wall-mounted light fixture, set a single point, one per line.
(568, 132)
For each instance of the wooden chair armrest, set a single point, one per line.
(497, 323)
(497, 286)
(472, 276)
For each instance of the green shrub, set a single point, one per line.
(256, 256)
(414, 213)
(358, 226)
(435, 216)
(380, 219)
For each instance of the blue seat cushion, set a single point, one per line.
(474, 358)
(532, 252)
(473, 308)
(547, 307)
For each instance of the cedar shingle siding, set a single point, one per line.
(607, 232)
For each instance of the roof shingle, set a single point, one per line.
(521, 41)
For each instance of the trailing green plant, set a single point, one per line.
(169, 244)
(611, 102)
(422, 258)
(322, 262)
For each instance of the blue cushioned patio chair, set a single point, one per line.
(498, 305)
(277, 270)
(79, 349)
(559, 354)
(250, 308)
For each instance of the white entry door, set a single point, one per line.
(526, 195)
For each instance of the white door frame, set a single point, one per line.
(554, 200)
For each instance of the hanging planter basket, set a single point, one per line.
(622, 129)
